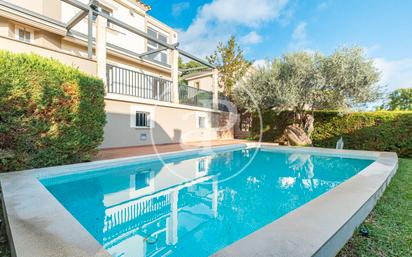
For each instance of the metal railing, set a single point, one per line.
(195, 97)
(128, 82)
(223, 103)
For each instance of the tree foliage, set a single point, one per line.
(302, 81)
(399, 100)
(231, 63)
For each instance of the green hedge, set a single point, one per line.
(50, 114)
(379, 131)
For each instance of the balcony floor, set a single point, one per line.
(113, 153)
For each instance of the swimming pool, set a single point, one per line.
(197, 204)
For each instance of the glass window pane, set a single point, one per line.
(152, 44)
(28, 36)
(21, 34)
(163, 57)
(163, 38)
(152, 32)
(151, 56)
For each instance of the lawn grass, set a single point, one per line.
(389, 224)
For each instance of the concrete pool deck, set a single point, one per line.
(38, 225)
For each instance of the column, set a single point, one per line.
(215, 88)
(101, 58)
(175, 76)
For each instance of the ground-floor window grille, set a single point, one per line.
(142, 119)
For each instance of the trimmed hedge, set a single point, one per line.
(50, 114)
(377, 131)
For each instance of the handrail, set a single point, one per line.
(129, 82)
(195, 96)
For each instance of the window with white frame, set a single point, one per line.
(141, 117)
(24, 34)
(201, 120)
(151, 45)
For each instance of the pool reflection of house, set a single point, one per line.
(151, 222)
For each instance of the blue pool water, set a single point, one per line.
(187, 206)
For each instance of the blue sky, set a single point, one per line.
(269, 28)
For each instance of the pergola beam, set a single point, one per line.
(76, 19)
(153, 51)
(77, 4)
(160, 49)
(139, 32)
(190, 56)
(195, 68)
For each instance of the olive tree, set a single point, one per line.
(302, 81)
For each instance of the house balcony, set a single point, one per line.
(195, 97)
(128, 82)
(132, 83)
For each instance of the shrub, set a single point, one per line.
(375, 131)
(378, 131)
(50, 114)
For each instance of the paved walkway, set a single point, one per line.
(114, 153)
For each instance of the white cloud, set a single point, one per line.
(395, 73)
(260, 63)
(217, 20)
(299, 37)
(251, 38)
(178, 8)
